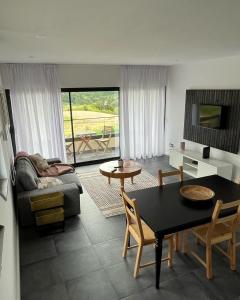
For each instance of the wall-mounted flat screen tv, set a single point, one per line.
(220, 111)
(211, 116)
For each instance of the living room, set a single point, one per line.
(155, 57)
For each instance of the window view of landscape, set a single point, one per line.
(91, 125)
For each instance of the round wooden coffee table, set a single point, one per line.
(129, 170)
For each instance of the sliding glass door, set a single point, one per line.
(91, 124)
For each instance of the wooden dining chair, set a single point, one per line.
(220, 229)
(104, 141)
(237, 181)
(142, 234)
(162, 175)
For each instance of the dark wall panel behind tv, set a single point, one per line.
(226, 139)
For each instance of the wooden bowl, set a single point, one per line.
(196, 193)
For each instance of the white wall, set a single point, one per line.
(9, 277)
(75, 76)
(213, 74)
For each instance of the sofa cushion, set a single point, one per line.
(71, 178)
(47, 182)
(26, 176)
(39, 162)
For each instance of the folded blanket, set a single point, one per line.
(42, 168)
(55, 170)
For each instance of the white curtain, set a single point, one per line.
(36, 106)
(142, 106)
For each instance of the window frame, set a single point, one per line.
(91, 89)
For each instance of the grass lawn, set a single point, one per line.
(89, 121)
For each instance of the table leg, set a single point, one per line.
(158, 255)
(122, 184)
(109, 179)
(88, 145)
(132, 179)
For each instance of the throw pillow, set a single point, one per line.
(39, 162)
(47, 182)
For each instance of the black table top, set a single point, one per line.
(165, 211)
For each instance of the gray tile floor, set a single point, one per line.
(92, 155)
(85, 262)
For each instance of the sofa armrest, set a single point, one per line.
(71, 201)
(54, 160)
(57, 188)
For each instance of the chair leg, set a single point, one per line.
(177, 242)
(106, 144)
(197, 241)
(138, 260)
(209, 261)
(229, 248)
(233, 258)
(126, 239)
(170, 252)
(185, 245)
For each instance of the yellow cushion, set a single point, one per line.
(47, 201)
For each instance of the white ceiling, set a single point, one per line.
(118, 31)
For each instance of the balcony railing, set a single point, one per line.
(92, 128)
(90, 125)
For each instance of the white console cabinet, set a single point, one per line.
(196, 166)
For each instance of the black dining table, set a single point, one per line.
(165, 211)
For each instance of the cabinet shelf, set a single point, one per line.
(190, 171)
(191, 165)
(196, 166)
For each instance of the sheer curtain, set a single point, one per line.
(36, 107)
(142, 106)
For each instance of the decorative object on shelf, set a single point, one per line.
(196, 193)
(182, 146)
(120, 163)
(206, 152)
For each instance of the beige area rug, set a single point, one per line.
(107, 197)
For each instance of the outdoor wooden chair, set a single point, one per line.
(141, 233)
(68, 146)
(220, 229)
(162, 175)
(104, 141)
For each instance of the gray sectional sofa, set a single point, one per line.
(26, 187)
